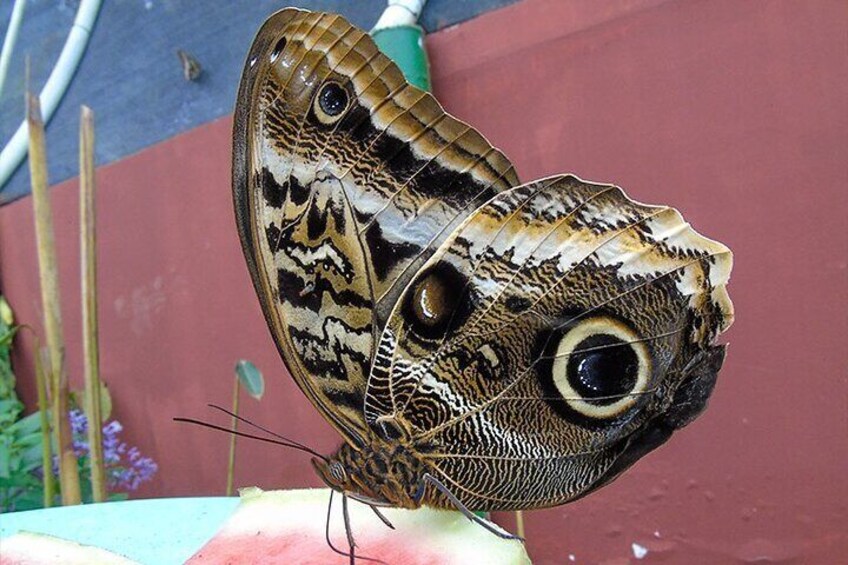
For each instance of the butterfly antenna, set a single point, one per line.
(279, 441)
(264, 429)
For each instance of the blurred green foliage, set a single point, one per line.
(20, 437)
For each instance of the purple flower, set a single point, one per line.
(140, 470)
(80, 447)
(126, 468)
(79, 423)
(113, 428)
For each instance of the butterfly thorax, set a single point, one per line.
(382, 472)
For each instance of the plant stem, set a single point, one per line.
(231, 464)
(88, 270)
(43, 408)
(68, 472)
(519, 523)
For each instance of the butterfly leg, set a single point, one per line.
(428, 478)
(374, 504)
(382, 517)
(327, 528)
(348, 531)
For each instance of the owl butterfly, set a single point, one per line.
(477, 342)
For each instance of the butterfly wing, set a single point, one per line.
(561, 332)
(345, 179)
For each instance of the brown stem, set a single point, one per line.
(43, 413)
(88, 270)
(68, 472)
(519, 523)
(231, 463)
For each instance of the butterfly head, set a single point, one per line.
(332, 472)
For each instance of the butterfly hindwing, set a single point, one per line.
(548, 339)
(345, 179)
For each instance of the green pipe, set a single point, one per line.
(404, 45)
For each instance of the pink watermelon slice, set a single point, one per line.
(289, 527)
(26, 548)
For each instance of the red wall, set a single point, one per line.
(734, 112)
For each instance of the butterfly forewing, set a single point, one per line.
(345, 180)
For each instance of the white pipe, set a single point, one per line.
(400, 13)
(57, 84)
(10, 39)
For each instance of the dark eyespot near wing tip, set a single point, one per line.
(333, 99)
(278, 48)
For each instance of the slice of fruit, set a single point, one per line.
(289, 527)
(27, 548)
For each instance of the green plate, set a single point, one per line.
(155, 531)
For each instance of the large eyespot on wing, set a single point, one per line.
(600, 367)
(586, 311)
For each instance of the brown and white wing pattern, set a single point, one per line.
(561, 332)
(345, 180)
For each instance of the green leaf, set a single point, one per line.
(29, 499)
(8, 405)
(14, 461)
(80, 398)
(6, 316)
(31, 457)
(6, 338)
(5, 459)
(29, 440)
(21, 480)
(10, 409)
(85, 490)
(250, 378)
(27, 425)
